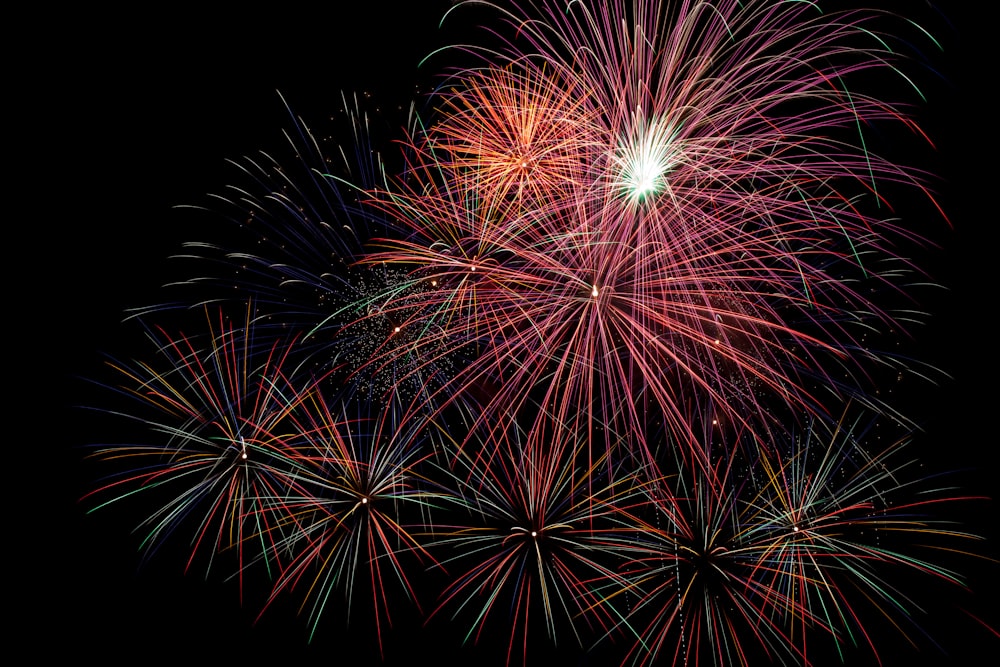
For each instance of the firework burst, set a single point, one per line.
(213, 454)
(719, 230)
(293, 224)
(536, 533)
(580, 359)
(796, 552)
(345, 523)
(512, 137)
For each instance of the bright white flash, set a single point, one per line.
(645, 177)
(645, 158)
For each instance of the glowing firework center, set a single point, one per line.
(643, 158)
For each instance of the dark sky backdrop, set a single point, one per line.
(128, 115)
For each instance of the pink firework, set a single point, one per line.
(719, 230)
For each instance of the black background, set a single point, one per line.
(124, 115)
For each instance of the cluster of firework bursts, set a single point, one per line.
(603, 353)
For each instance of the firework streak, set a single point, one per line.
(606, 352)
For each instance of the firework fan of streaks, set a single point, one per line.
(212, 456)
(536, 532)
(725, 238)
(798, 552)
(293, 224)
(347, 524)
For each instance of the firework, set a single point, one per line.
(293, 224)
(212, 454)
(717, 229)
(791, 554)
(517, 138)
(572, 371)
(536, 533)
(345, 524)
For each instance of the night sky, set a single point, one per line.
(135, 114)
